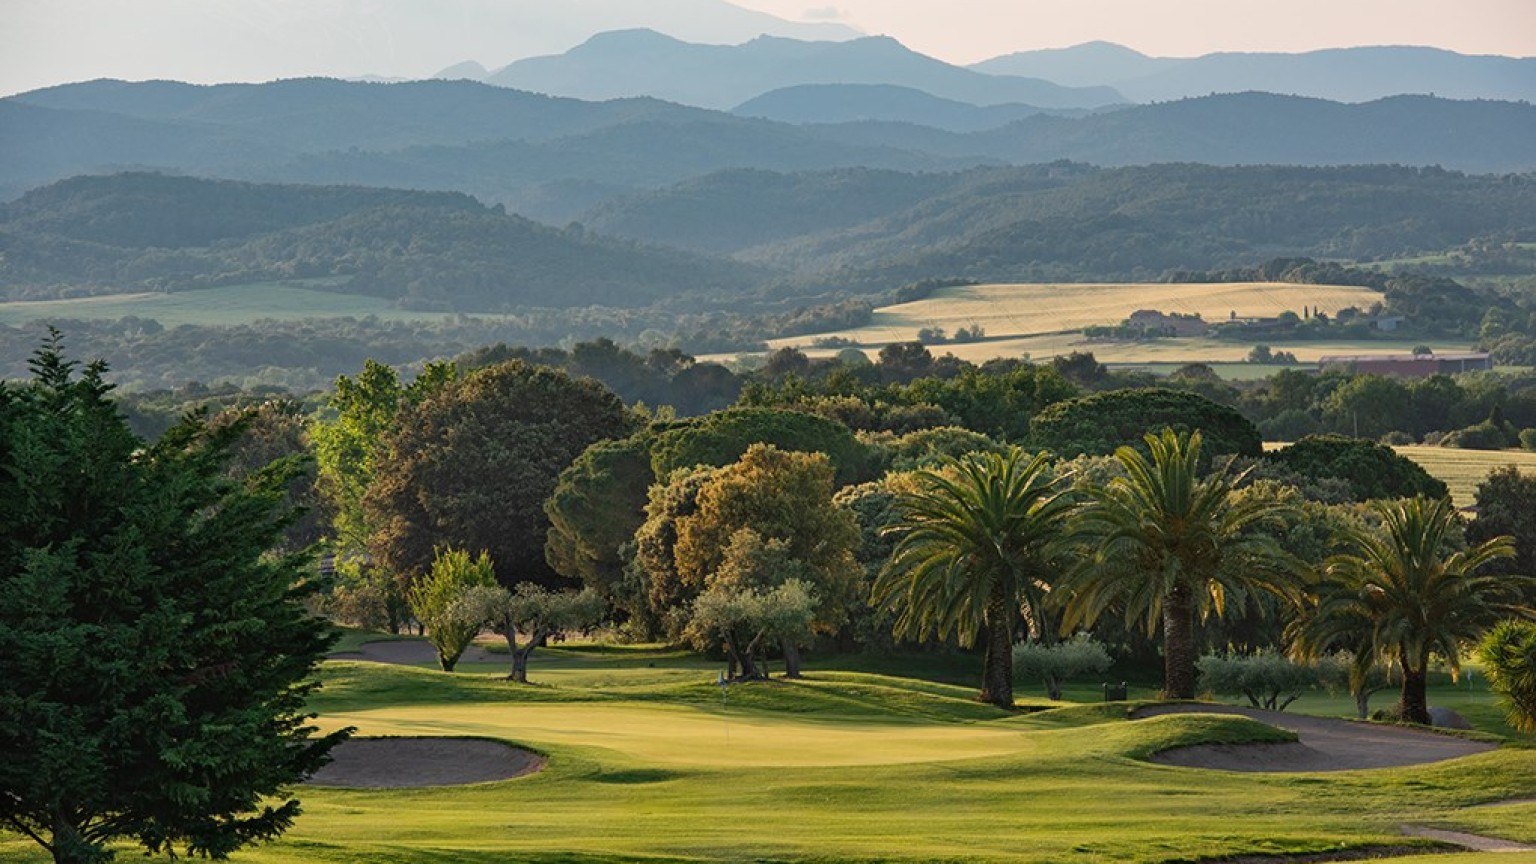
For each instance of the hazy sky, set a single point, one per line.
(45, 42)
(967, 31)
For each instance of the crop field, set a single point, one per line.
(1045, 320)
(1462, 470)
(648, 760)
(236, 304)
(1031, 310)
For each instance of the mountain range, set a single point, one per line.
(44, 42)
(1341, 74)
(554, 158)
(647, 63)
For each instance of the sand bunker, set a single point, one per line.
(405, 763)
(1325, 744)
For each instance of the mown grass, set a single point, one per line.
(235, 304)
(654, 763)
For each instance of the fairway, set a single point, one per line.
(1462, 470)
(649, 760)
(235, 304)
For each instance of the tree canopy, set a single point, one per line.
(1100, 423)
(472, 464)
(1373, 470)
(155, 654)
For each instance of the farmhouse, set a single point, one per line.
(1167, 324)
(1408, 365)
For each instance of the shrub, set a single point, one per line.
(1509, 660)
(1270, 681)
(1055, 664)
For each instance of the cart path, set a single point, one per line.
(1325, 744)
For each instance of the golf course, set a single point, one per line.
(638, 755)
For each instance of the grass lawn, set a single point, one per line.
(236, 304)
(649, 761)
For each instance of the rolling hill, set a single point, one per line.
(424, 251)
(852, 103)
(1068, 221)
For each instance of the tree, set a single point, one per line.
(1164, 546)
(1099, 424)
(978, 541)
(1056, 664)
(596, 507)
(534, 611)
(1360, 675)
(767, 518)
(435, 599)
(1269, 680)
(743, 620)
(472, 464)
(1374, 470)
(723, 437)
(155, 653)
(1509, 660)
(1506, 505)
(1406, 594)
(277, 429)
(350, 445)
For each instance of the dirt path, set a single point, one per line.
(410, 652)
(1325, 744)
(404, 763)
(1474, 842)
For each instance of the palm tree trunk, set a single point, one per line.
(1414, 704)
(1178, 644)
(997, 667)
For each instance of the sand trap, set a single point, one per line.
(406, 763)
(412, 652)
(1325, 744)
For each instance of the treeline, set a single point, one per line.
(776, 525)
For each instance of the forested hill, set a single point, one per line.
(550, 159)
(1071, 221)
(425, 250)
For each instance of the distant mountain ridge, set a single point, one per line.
(1358, 74)
(885, 103)
(554, 158)
(646, 63)
(45, 42)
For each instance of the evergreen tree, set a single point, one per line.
(155, 653)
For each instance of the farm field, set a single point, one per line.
(235, 304)
(1462, 470)
(648, 760)
(1009, 314)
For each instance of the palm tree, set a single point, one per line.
(1163, 545)
(976, 545)
(1405, 595)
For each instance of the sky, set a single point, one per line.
(967, 31)
(45, 42)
